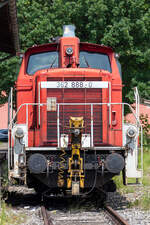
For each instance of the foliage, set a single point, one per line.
(124, 25)
(8, 217)
(146, 166)
(8, 71)
(3, 214)
(145, 123)
(143, 88)
(143, 202)
(146, 129)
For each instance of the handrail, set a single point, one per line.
(76, 104)
(63, 104)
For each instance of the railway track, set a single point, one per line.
(114, 218)
(46, 218)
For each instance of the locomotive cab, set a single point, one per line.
(69, 132)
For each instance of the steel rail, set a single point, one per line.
(46, 218)
(115, 216)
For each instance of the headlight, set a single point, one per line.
(19, 133)
(69, 51)
(76, 132)
(131, 132)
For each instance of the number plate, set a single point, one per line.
(74, 84)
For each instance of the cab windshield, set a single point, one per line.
(41, 61)
(94, 60)
(47, 60)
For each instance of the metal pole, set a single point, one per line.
(0, 182)
(11, 104)
(92, 125)
(58, 131)
(109, 103)
(122, 122)
(39, 104)
(11, 125)
(27, 120)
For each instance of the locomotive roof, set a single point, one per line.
(85, 46)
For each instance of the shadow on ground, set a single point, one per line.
(74, 204)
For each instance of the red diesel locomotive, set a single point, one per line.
(68, 133)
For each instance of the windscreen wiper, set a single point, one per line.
(51, 65)
(86, 62)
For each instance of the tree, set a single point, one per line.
(123, 25)
(146, 129)
(8, 75)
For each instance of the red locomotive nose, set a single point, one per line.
(69, 48)
(69, 135)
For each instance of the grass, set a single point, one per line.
(8, 217)
(146, 160)
(144, 201)
(123, 189)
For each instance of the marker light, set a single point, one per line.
(19, 133)
(131, 132)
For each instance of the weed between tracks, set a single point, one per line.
(8, 217)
